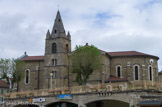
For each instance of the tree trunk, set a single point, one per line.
(17, 86)
(84, 80)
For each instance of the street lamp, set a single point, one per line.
(51, 75)
(38, 73)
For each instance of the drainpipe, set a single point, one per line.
(38, 75)
(110, 66)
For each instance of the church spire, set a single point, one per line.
(48, 34)
(58, 27)
(69, 36)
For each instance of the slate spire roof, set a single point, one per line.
(48, 32)
(58, 27)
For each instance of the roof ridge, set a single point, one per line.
(34, 58)
(37, 55)
(124, 51)
(129, 53)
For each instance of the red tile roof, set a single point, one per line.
(129, 53)
(34, 58)
(111, 54)
(115, 79)
(3, 84)
(160, 73)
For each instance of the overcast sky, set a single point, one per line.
(110, 25)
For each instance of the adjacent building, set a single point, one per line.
(4, 87)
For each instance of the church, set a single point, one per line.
(52, 69)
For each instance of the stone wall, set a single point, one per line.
(108, 67)
(58, 81)
(32, 66)
(160, 78)
(128, 63)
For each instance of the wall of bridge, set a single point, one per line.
(132, 98)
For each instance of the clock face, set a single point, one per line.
(151, 60)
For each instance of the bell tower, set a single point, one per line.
(57, 47)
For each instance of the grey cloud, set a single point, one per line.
(15, 38)
(23, 25)
(122, 42)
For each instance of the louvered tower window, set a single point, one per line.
(54, 48)
(54, 62)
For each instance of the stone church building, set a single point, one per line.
(122, 66)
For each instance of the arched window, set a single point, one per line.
(27, 76)
(119, 71)
(150, 73)
(136, 72)
(54, 62)
(53, 74)
(54, 48)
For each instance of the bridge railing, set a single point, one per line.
(119, 86)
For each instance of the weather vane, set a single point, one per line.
(58, 6)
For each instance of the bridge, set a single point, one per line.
(99, 95)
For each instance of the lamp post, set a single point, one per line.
(152, 74)
(38, 73)
(51, 75)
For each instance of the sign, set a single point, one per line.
(37, 100)
(64, 97)
(30, 100)
(1, 99)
